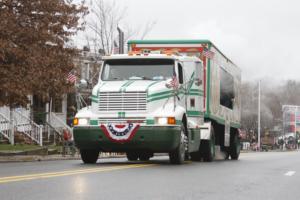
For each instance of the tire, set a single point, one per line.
(144, 156)
(132, 156)
(178, 155)
(235, 147)
(195, 156)
(207, 148)
(89, 156)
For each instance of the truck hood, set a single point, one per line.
(131, 86)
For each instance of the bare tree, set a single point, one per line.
(105, 17)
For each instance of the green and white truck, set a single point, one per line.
(180, 97)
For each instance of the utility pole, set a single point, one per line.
(258, 120)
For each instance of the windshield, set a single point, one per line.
(137, 69)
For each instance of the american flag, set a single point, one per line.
(208, 54)
(174, 82)
(71, 77)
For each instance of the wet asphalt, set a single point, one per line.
(268, 175)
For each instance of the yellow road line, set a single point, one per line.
(68, 173)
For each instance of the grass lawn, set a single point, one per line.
(18, 147)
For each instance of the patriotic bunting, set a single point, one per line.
(120, 133)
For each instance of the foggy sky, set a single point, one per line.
(261, 36)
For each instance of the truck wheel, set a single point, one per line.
(132, 156)
(195, 156)
(207, 148)
(144, 156)
(177, 156)
(89, 156)
(235, 147)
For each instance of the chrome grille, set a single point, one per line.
(122, 101)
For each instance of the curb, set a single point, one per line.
(37, 158)
(10, 159)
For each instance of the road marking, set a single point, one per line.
(68, 173)
(290, 173)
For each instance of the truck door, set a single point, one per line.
(195, 94)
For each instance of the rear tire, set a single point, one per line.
(132, 156)
(195, 156)
(89, 156)
(177, 156)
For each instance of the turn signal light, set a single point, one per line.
(75, 121)
(171, 120)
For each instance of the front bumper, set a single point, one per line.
(147, 138)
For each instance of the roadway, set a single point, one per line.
(269, 175)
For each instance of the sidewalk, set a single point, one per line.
(32, 158)
(37, 158)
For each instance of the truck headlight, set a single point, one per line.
(80, 121)
(166, 120)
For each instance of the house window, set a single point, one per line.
(57, 105)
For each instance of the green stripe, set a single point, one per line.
(178, 122)
(194, 113)
(128, 85)
(150, 121)
(122, 89)
(218, 119)
(196, 94)
(208, 83)
(196, 90)
(152, 85)
(121, 114)
(160, 93)
(221, 120)
(93, 122)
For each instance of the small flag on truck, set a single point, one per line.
(174, 82)
(208, 54)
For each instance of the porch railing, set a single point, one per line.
(26, 126)
(59, 124)
(5, 128)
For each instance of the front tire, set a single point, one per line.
(132, 156)
(145, 156)
(177, 156)
(89, 156)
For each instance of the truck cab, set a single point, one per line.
(143, 104)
